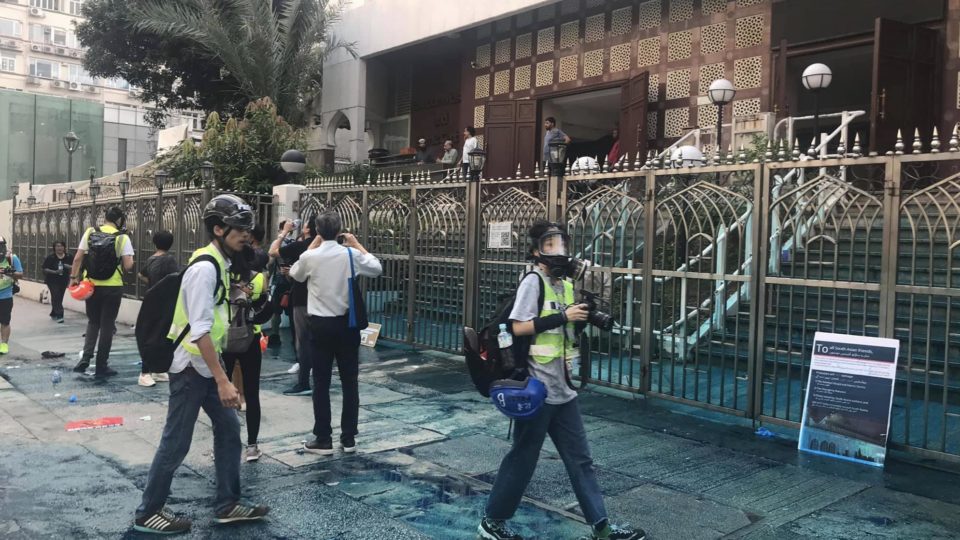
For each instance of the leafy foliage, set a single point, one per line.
(214, 56)
(245, 153)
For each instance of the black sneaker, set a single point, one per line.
(103, 373)
(81, 366)
(298, 390)
(162, 522)
(241, 512)
(316, 446)
(495, 529)
(349, 444)
(605, 531)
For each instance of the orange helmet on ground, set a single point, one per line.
(82, 291)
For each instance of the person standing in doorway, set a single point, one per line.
(11, 271)
(160, 265)
(326, 268)
(289, 254)
(198, 380)
(614, 154)
(56, 274)
(470, 143)
(551, 133)
(110, 254)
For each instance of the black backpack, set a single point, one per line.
(102, 260)
(482, 350)
(156, 317)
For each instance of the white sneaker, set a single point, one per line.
(146, 380)
(295, 368)
(160, 377)
(252, 453)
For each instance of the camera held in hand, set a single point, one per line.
(601, 319)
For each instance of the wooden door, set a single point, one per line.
(510, 136)
(905, 92)
(633, 117)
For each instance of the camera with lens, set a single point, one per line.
(597, 317)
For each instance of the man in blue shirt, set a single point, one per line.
(551, 133)
(10, 271)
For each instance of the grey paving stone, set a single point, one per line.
(472, 455)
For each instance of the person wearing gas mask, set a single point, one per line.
(104, 254)
(10, 272)
(553, 321)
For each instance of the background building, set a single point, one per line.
(503, 66)
(45, 92)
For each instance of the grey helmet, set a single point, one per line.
(229, 211)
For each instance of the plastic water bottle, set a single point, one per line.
(505, 341)
(60, 268)
(56, 377)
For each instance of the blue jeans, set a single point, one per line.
(565, 426)
(189, 392)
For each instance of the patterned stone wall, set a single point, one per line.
(579, 45)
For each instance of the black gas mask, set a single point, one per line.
(554, 253)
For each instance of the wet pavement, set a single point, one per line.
(429, 448)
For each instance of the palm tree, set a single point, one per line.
(270, 49)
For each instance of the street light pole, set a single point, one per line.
(556, 161)
(815, 78)
(124, 184)
(70, 142)
(476, 159)
(94, 193)
(71, 194)
(159, 180)
(721, 92)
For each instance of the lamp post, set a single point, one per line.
(31, 200)
(94, 193)
(815, 78)
(71, 142)
(124, 184)
(159, 180)
(476, 160)
(207, 178)
(70, 195)
(721, 92)
(556, 161)
(293, 162)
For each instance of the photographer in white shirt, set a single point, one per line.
(325, 266)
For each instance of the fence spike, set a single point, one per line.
(742, 156)
(519, 171)
(917, 145)
(718, 156)
(569, 167)
(575, 169)
(781, 150)
(536, 169)
(954, 140)
(856, 150)
(731, 157)
(935, 142)
(898, 146)
(768, 154)
(812, 151)
(795, 151)
(623, 164)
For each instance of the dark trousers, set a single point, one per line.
(300, 326)
(102, 309)
(565, 427)
(333, 341)
(250, 363)
(57, 290)
(189, 392)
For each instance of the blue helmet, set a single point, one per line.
(518, 399)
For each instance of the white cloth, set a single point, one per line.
(326, 270)
(469, 145)
(196, 289)
(126, 246)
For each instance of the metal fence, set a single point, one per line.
(179, 211)
(718, 274)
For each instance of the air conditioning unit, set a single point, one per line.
(57, 84)
(47, 49)
(75, 86)
(92, 89)
(75, 54)
(34, 81)
(132, 92)
(61, 51)
(36, 48)
(37, 12)
(10, 44)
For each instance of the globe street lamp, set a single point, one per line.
(71, 142)
(815, 78)
(721, 92)
(293, 162)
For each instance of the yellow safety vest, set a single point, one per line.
(116, 280)
(218, 333)
(257, 285)
(551, 345)
(6, 281)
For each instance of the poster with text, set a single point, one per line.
(500, 235)
(846, 413)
